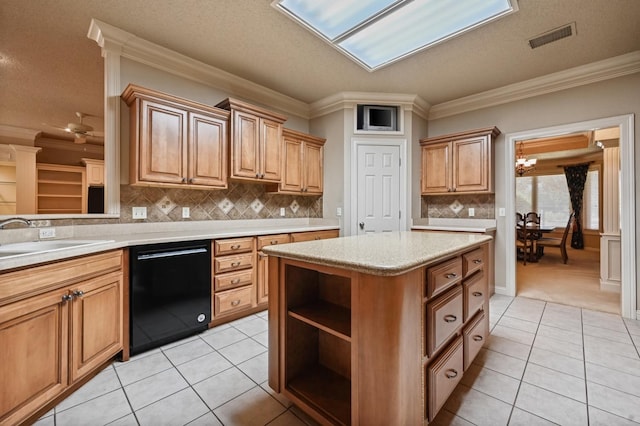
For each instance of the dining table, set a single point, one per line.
(533, 232)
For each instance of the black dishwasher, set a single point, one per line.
(170, 292)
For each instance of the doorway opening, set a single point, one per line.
(627, 296)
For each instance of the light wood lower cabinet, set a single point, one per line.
(58, 323)
(353, 348)
(233, 289)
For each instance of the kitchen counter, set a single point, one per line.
(376, 329)
(126, 235)
(379, 254)
(455, 225)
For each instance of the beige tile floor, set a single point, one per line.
(544, 364)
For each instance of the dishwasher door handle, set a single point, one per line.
(171, 253)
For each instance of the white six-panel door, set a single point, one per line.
(378, 188)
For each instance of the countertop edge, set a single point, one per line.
(113, 242)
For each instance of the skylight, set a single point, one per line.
(377, 33)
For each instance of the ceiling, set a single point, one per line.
(49, 68)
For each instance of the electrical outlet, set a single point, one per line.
(47, 232)
(501, 212)
(282, 211)
(139, 212)
(339, 211)
(472, 212)
(186, 213)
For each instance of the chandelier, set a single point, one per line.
(524, 164)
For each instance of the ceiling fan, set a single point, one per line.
(80, 130)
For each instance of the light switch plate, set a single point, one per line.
(501, 211)
(282, 211)
(339, 211)
(139, 212)
(472, 212)
(47, 232)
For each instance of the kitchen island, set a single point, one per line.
(376, 329)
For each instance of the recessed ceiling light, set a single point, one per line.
(377, 33)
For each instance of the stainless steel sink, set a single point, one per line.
(32, 247)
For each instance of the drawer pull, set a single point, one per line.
(235, 247)
(477, 261)
(451, 275)
(235, 281)
(477, 294)
(274, 242)
(450, 318)
(235, 302)
(477, 338)
(451, 374)
(234, 264)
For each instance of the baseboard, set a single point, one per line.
(610, 286)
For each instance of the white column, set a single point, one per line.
(610, 250)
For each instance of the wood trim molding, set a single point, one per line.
(346, 100)
(578, 76)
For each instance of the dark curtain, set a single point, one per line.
(576, 177)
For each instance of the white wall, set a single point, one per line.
(603, 99)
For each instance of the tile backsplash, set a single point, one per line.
(457, 206)
(239, 201)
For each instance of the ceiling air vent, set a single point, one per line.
(553, 35)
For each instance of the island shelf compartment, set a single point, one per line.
(318, 341)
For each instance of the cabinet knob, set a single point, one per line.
(477, 338)
(477, 261)
(451, 374)
(258, 175)
(235, 302)
(477, 294)
(274, 242)
(234, 264)
(184, 179)
(451, 275)
(78, 293)
(190, 180)
(235, 281)
(67, 298)
(235, 247)
(450, 318)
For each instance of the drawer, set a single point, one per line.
(442, 377)
(233, 280)
(443, 276)
(271, 240)
(232, 263)
(230, 301)
(314, 235)
(475, 293)
(444, 318)
(475, 334)
(232, 245)
(472, 261)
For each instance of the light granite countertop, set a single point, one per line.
(455, 225)
(120, 236)
(379, 254)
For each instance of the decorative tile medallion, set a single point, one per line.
(165, 205)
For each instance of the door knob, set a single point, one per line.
(361, 225)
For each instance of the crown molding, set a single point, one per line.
(130, 46)
(606, 69)
(19, 133)
(346, 100)
(69, 145)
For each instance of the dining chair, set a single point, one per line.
(560, 243)
(522, 242)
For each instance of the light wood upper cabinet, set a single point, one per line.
(175, 142)
(303, 169)
(256, 142)
(94, 171)
(458, 163)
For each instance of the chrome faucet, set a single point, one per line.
(15, 220)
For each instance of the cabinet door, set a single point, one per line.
(313, 168)
(436, 168)
(262, 278)
(33, 350)
(470, 159)
(162, 146)
(293, 166)
(95, 174)
(245, 137)
(270, 150)
(207, 151)
(96, 323)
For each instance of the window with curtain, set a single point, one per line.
(549, 196)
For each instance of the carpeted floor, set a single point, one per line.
(577, 283)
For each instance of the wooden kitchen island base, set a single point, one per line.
(375, 338)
